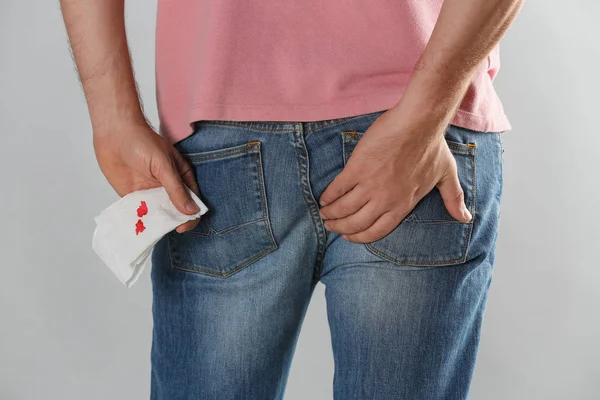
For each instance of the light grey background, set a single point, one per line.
(69, 330)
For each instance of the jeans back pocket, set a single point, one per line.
(236, 230)
(429, 235)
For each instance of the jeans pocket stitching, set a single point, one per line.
(260, 169)
(224, 274)
(416, 263)
(468, 149)
(218, 154)
(213, 232)
(255, 149)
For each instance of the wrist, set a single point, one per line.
(433, 96)
(430, 97)
(113, 105)
(114, 113)
(107, 126)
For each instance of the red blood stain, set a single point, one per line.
(139, 227)
(142, 209)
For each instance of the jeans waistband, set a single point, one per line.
(280, 126)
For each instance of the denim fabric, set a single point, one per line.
(229, 297)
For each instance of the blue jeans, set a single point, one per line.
(229, 297)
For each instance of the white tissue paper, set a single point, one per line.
(127, 230)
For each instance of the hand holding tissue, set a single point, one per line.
(127, 230)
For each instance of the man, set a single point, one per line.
(356, 143)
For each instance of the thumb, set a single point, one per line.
(169, 177)
(454, 197)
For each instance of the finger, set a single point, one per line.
(188, 226)
(454, 197)
(386, 223)
(349, 203)
(357, 222)
(341, 184)
(169, 177)
(186, 172)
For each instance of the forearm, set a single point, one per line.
(464, 35)
(96, 30)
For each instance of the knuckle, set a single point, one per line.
(355, 226)
(404, 206)
(179, 190)
(327, 195)
(345, 209)
(395, 218)
(379, 234)
(155, 166)
(185, 168)
(178, 195)
(190, 179)
(161, 165)
(375, 233)
(384, 199)
(460, 196)
(452, 168)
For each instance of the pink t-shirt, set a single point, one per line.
(298, 60)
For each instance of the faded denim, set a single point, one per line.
(229, 297)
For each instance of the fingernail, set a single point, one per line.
(467, 214)
(191, 206)
(322, 202)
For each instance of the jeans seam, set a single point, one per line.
(309, 200)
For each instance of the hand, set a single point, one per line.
(393, 166)
(134, 157)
